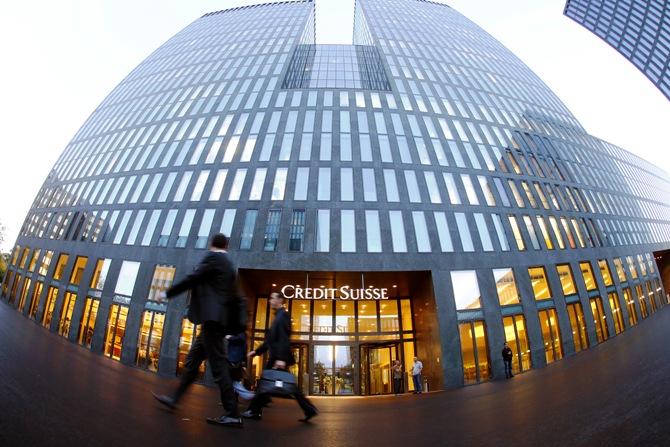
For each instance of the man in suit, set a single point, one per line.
(278, 343)
(219, 309)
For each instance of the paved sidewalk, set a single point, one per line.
(54, 393)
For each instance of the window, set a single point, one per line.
(630, 305)
(391, 186)
(248, 229)
(466, 289)
(323, 192)
(397, 232)
(189, 332)
(464, 232)
(373, 232)
(348, 231)
(60, 266)
(599, 319)
(474, 352)
(279, 184)
(605, 272)
(87, 323)
(46, 261)
(49, 305)
(421, 232)
(517, 233)
(517, 338)
(567, 281)
(619, 270)
(127, 277)
(116, 329)
(134, 231)
(323, 231)
(613, 298)
(66, 314)
(578, 324)
(161, 281)
(587, 272)
(443, 231)
(538, 279)
(149, 340)
(185, 229)
(167, 228)
(369, 186)
(238, 184)
(483, 231)
(412, 187)
(346, 184)
(506, 286)
(296, 232)
(551, 335)
(272, 230)
(35, 300)
(257, 184)
(205, 228)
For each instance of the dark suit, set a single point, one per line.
(218, 308)
(278, 343)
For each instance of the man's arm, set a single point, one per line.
(201, 272)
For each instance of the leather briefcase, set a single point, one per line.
(277, 383)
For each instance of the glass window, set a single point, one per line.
(185, 229)
(391, 186)
(161, 281)
(567, 281)
(538, 279)
(433, 190)
(631, 267)
(578, 324)
(60, 266)
(238, 184)
(122, 227)
(248, 229)
(421, 232)
(613, 298)
(517, 338)
(373, 232)
(346, 184)
(397, 232)
(469, 190)
(227, 221)
(272, 230)
(531, 232)
(369, 186)
(257, 185)
(78, 270)
(199, 186)
(280, 184)
(323, 231)
(181, 189)
(296, 232)
(324, 184)
(126, 279)
(599, 319)
(443, 231)
(67, 308)
(205, 228)
(301, 184)
(630, 305)
(619, 269)
(483, 231)
(517, 233)
(87, 324)
(217, 188)
(412, 187)
(100, 274)
(452, 191)
(605, 272)
(46, 261)
(348, 231)
(474, 352)
(466, 289)
(587, 272)
(506, 286)
(464, 232)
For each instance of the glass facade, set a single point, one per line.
(407, 162)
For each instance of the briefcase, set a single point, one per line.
(277, 383)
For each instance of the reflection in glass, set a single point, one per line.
(538, 279)
(466, 289)
(506, 286)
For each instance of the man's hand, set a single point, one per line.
(251, 353)
(279, 364)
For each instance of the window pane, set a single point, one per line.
(443, 231)
(279, 184)
(348, 231)
(323, 231)
(373, 231)
(272, 230)
(421, 232)
(397, 232)
(506, 286)
(301, 182)
(538, 278)
(567, 282)
(484, 236)
(297, 231)
(257, 185)
(324, 184)
(346, 184)
(126, 279)
(391, 186)
(466, 289)
(587, 272)
(369, 186)
(464, 232)
(238, 184)
(248, 229)
(412, 187)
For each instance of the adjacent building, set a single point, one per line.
(638, 29)
(418, 193)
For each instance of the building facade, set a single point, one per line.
(419, 193)
(638, 29)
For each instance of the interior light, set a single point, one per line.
(274, 285)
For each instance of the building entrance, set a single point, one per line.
(376, 368)
(333, 370)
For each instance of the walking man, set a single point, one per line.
(416, 375)
(277, 342)
(218, 308)
(507, 356)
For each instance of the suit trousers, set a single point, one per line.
(209, 345)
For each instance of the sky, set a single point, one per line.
(60, 60)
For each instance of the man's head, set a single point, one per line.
(416, 359)
(276, 300)
(506, 345)
(219, 241)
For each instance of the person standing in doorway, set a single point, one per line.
(416, 375)
(278, 343)
(397, 377)
(220, 310)
(507, 356)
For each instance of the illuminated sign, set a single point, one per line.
(342, 293)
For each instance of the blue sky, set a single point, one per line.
(60, 59)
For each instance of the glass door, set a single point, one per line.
(299, 368)
(376, 374)
(333, 370)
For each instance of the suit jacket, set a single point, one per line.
(278, 339)
(214, 295)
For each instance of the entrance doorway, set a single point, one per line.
(376, 372)
(333, 370)
(300, 368)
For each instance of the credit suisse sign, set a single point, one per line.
(343, 293)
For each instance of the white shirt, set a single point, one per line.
(416, 369)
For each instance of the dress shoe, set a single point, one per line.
(249, 414)
(227, 421)
(309, 416)
(165, 400)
